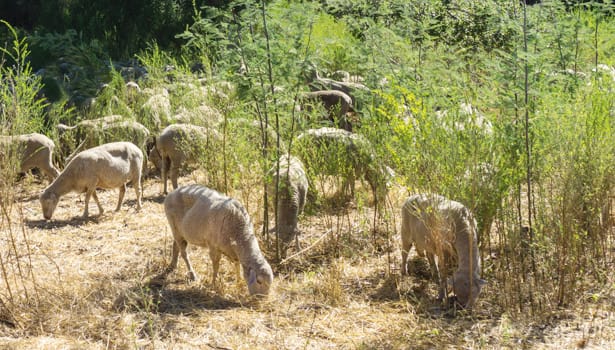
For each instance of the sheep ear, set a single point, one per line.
(252, 276)
(482, 282)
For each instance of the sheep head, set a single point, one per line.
(259, 278)
(466, 290)
(49, 201)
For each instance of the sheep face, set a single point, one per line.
(49, 201)
(259, 279)
(467, 295)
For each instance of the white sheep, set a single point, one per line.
(442, 228)
(33, 151)
(70, 136)
(331, 151)
(292, 191)
(179, 144)
(111, 165)
(114, 130)
(156, 111)
(204, 217)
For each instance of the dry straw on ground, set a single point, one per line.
(98, 285)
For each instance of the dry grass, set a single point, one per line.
(98, 285)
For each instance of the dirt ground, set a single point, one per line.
(98, 284)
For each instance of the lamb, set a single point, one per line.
(179, 144)
(107, 166)
(445, 229)
(292, 191)
(204, 217)
(33, 151)
(331, 151)
(337, 104)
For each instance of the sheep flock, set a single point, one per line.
(115, 151)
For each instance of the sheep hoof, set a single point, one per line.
(191, 276)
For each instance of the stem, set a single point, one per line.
(528, 154)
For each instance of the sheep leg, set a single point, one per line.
(182, 249)
(237, 275)
(174, 257)
(215, 256)
(88, 193)
(438, 276)
(100, 208)
(406, 245)
(174, 173)
(163, 174)
(121, 197)
(136, 183)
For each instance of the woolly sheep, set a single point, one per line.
(179, 144)
(107, 166)
(292, 191)
(252, 132)
(68, 135)
(331, 151)
(33, 151)
(336, 103)
(156, 111)
(202, 115)
(442, 228)
(100, 133)
(204, 217)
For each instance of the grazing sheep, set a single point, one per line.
(319, 83)
(292, 190)
(107, 166)
(252, 132)
(331, 151)
(442, 228)
(202, 115)
(32, 151)
(201, 216)
(70, 137)
(336, 103)
(179, 144)
(156, 111)
(98, 133)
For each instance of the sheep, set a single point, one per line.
(204, 217)
(156, 111)
(202, 115)
(442, 228)
(331, 151)
(252, 132)
(316, 82)
(107, 166)
(179, 144)
(98, 133)
(292, 190)
(336, 103)
(33, 151)
(71, 135)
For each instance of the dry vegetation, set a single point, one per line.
(98, 285)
